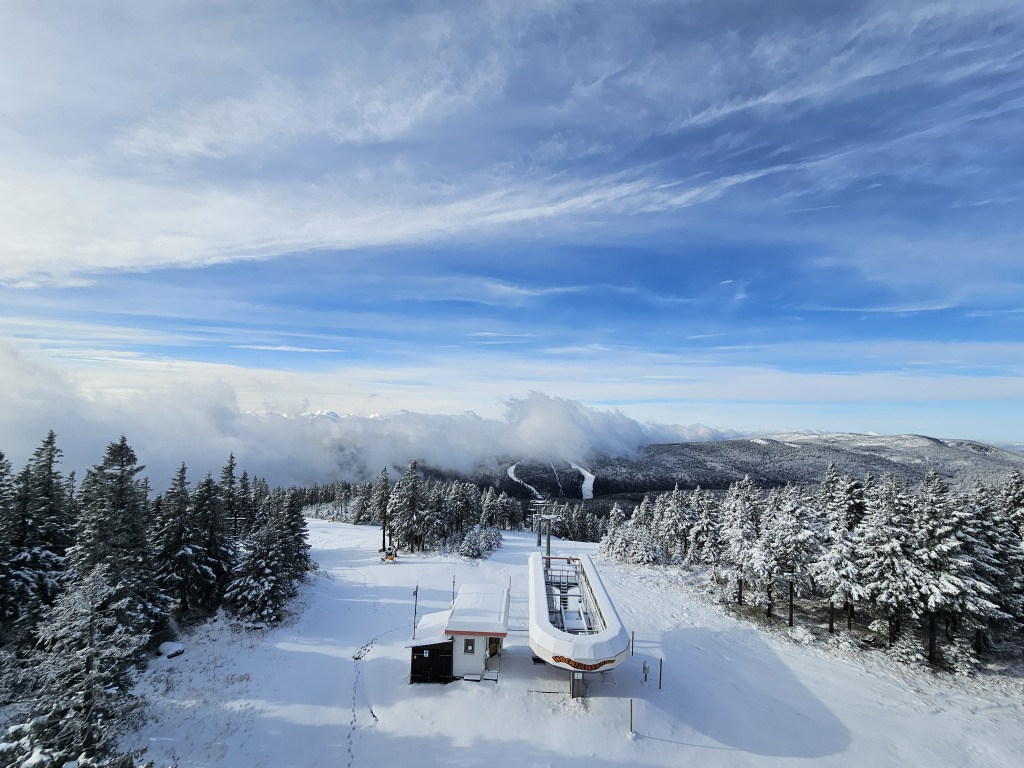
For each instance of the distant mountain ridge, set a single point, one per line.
(769, 460)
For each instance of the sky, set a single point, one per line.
(636, 221)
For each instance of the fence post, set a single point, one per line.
(661, 664)
(631, 716)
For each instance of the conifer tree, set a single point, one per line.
(404, 507)
(1013, 501)
(8, 538)
(705, 535)
(261, 583)
(112, 532)
(245, 504)
(229, 497)
(380, 498)
(792, 540)
(292, 531)
(836, 569)
(741, 531)
(991, 544)
(887, 556)
(218, 550)
(179, 546)
(81, 689)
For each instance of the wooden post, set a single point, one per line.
(661, 666)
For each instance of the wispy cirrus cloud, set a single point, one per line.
(717, 206)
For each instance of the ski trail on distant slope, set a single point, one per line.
(588, 480)
(512, 475)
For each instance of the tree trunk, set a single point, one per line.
(831, 617)
(768, 609)
(739, 597)
(791, 603)
(931, 637)
(979, 641)
(849, 615)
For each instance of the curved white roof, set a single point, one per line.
(604, 648)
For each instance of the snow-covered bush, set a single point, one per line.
(479, 542)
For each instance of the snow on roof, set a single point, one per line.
(430, 629)
(480, 609)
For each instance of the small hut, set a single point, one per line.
(457, 643)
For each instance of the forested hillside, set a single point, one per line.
(927, 563)
(92, 576)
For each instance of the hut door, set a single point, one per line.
(432, 664)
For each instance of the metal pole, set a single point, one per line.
(415, 605)
(630, 715)
(549, 537)
(632, 643)
(661, 665)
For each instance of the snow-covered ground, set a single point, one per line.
(588, 480)
(512, 475)
(330, 688)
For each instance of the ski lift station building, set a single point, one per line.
(458, 642)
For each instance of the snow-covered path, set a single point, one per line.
(512, 475)
(588, 480)
(331, 687)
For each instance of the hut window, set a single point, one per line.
(469, 646)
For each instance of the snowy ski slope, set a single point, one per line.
(330, 687)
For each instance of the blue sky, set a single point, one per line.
(747, 215)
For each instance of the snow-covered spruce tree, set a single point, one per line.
(887, 556)
(488, 511)
(178, 545)
(81, 691)
(667, 527)
(614, 545)
(228, 488)
(1013, 501)
(245, 503)
(950, 586)
(791, 541)
(990, 544)
(741, 530)
(379, 503)
(643, 548)
(765, 564)
(294, 537)
(405, 507)
(510, 514)
(643, 515)
(218, 555)
(41, 535)
(835, 569)
(112, 531)
(993, 546)
(8, 535)
(676, 523)
(360, 507)
(261, 584)
(706, 544)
